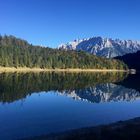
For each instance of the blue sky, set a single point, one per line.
(52, 22)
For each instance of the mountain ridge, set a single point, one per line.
(104, 47)
(15, 52)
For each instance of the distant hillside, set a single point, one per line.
(104, 47)
(16, 52)
(132, 60)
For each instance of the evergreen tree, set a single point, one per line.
(16, 52)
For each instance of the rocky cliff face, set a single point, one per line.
(104, 47)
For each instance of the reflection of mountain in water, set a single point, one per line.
(103, 93)
(94, 87)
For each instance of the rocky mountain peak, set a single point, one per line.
(105, 47)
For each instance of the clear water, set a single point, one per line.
(33, 104)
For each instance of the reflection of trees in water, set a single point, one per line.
(14, 86)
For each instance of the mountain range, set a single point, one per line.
(104, 47)
(92, 53)
(16, 52)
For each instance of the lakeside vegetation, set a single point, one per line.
(131, 60)
(75, 70)
(17, 53)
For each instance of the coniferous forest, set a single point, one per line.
(15, 52)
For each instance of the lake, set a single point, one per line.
(33, 104)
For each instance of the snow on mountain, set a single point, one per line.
(105, 47)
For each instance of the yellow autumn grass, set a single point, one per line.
(26, 69)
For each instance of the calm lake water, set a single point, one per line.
(33, 104)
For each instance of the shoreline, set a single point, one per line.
(121, 130)
(27, 69)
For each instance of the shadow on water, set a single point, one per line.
(131, 81)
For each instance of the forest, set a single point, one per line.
(131, 59)
(15, 52)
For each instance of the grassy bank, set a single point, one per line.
(26, 69)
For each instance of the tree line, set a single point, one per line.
(15, 52)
